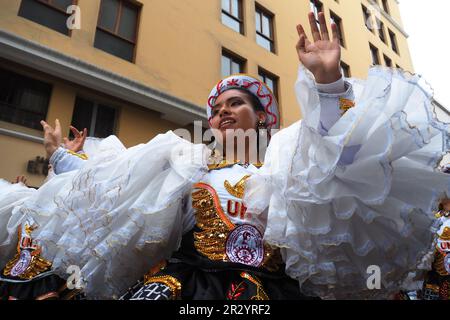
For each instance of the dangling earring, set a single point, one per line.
(261, 125)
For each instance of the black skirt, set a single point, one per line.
(47, 287)
(188, 275)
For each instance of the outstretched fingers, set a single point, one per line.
(314, 29)
(303, 41)
(84, 135)
(323, 27)
(335, 32)
(57, 126)
(45, 125)
(75, 132)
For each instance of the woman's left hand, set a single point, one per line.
(77, 143)
(322, 56)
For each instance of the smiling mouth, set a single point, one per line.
(227, 123)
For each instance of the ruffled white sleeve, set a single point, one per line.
(359, 197)
(116, 216)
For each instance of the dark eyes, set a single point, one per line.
(233, 103)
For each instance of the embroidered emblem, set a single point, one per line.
(153, 291)
(235, 208)
(27, 263)
(170, 282)
(236, 290)
(22, 263)
(345, 104)
(443, 242)
(238, 189)
(244, 245)
(216, 227)
(445, 234)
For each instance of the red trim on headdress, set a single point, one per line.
(263, 96)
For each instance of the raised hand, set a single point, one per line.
(52, 137)
(322, 56)
(77, 143)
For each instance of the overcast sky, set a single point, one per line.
(427, 23)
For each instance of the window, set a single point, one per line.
(385, 5)
(338, 21)
(270, 80)
(99, 119)
(367, 18)
(264, 29)
(49, 13)
(232, 15)
(316, 7)
(381, 32)
(23, 101)
(387, 61)
(375, 55)
(393, 41)
(231, 64)
(346, 69)
(117, 28)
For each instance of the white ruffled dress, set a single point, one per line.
(360, 195)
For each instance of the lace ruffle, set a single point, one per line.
(334, 217)
(118, 215)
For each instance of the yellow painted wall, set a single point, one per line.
(179, 52)
(138, 125)
(15, 156)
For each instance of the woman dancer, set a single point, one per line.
(326, 209)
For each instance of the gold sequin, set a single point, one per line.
(212, 221)
(238, 189)
(445, 234)
(439, 263)
(345, 104)
(171, 282)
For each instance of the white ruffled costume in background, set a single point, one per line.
(358, 195)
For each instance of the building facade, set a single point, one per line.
(139, 68)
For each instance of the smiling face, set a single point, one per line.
(233, 110)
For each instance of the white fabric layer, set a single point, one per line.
(11, 196)
(360, 196)
(62, 161)
(115, 217)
